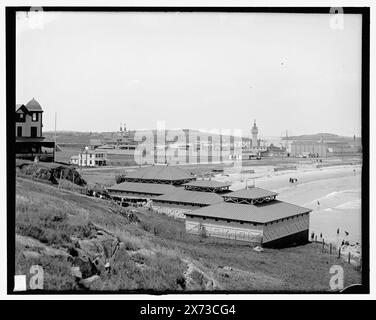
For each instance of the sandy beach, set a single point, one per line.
(336, 189)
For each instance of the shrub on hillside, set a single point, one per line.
(119, 179)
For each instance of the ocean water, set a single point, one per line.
(339, 209)
(336, 204)
(337, 190)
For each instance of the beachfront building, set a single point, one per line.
(162, 174)
(148, 183)
(138, 192)
(208, 186)
(30, 142)
(89, 158)
(181, 201)
(254, 216)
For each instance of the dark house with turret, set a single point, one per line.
(30, 142)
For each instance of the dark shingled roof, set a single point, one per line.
(207, 184)
(250, 213)
(148, 188)
(165, 173)
(251, 193)
(33, 105)
(19, 105)
(191, 197)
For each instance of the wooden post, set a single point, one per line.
(339, 253)
(61, 173)
(349, 258)
(330, 248)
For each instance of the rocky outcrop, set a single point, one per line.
(52, 172)
(88, 257)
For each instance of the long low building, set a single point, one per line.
(188, 199)
(180, 201)
(159, 174)
(252, 215)
(275, 224)
(207, 186)
(139, 189)
(250, 196)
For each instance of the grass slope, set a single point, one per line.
(155, 254)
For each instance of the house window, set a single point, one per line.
(33, 132)
(20, 117)
(19, 131)
(34, 116)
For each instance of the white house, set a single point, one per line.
(89, 158)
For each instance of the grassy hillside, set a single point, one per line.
(59, 229)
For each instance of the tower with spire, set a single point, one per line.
(254, 132)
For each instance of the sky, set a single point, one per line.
(201, 71)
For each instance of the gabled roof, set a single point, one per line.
(208, 184)
(250, 213)
(165, 173)
(251, 193)
(19, 106)
(33, 105)
(148, 188)
(191, 197)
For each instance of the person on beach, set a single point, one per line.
(337, 232)
(320, 235)
(312, 236)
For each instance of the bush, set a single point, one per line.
(119, 179)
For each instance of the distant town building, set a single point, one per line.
(274, 151)
(324, 145)
(90, 158)
(251, 149)
(307, 147)
(254, 131)
(30, 142)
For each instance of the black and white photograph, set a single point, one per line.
(167, 150)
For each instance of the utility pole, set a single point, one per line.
(55, 140)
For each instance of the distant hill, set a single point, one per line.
(76, 137)
(325, 136)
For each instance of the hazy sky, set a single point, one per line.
(192, 70)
